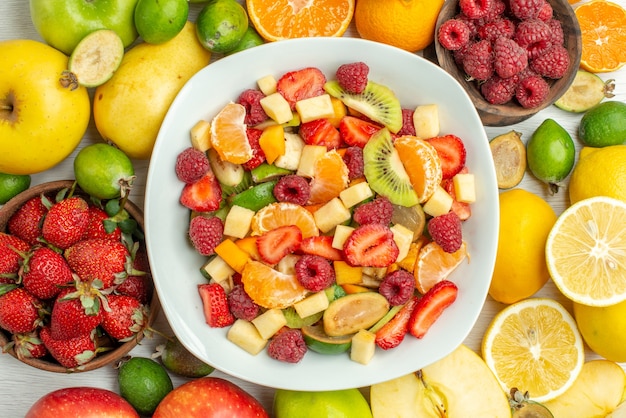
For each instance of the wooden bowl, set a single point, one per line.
(122, 349)
(511, 113)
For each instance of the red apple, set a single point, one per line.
(209, 397)
(81, 402)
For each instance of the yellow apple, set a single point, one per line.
(458, 386)
(41, 122)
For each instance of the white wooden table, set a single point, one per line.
(22, 385)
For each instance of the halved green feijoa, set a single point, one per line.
(586, 91)
(317, 340)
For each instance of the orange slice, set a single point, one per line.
(287, 19)
(270, 288)
(330, 177)
(421, 163)
(281, 214)
(434, 264)
(228, 134)
(603, 35)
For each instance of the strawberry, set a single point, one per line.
(446, 231)
(355, 131)
(462, 209)
(135, 286)
(26, 222)
(451, 151)
(44, 271)
(430, 307)
(301, 84)
(393, 332)
(19, 310)
(321, 245)
(320, 132)
(76, 312)
(125, 317)
(71, 352)
(371, 245)
(101, 225)
(66, 222)
(100, 259)
(10, 248)
(278, 242)
(205, 195)
(27, 345)
(215, 305)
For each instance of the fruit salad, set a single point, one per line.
(330, 216)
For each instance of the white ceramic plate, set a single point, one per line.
(175, 265)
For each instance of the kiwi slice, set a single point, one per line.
(384, 170)
(94, 60)
(377, 102)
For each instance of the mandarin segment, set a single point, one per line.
(281, 214)
(422, 164)
(433, 265)
(330, 177)
(270, 288)
(228, 134)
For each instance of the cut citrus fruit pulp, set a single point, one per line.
(534, 345)
(434, 264)
(603, 35)
(330, 177)
(422, 164)
(287, 19)
(281, 214)
(270, 288)
(228, 134)
(586, 251)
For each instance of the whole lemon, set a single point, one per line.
(603, 329)
(406, 24)
(520, 269)
(599, 172)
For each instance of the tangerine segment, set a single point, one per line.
(586, 251)
(534, 345)
(281, 214)
(228, 134)
(603, 35)
(434, 265)
(422, 164)
(270, 288)
(287, 19)
(330, 177)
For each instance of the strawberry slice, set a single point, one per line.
(371, 245)
(205, 195)
(451, 151)
(430, 307)
(320, 132)
(462, 209)
(215, 305)
(393, 332)
(278, 242)
(321, 245)
(301, 84)
(355, 131)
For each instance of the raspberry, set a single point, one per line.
(545, 13)
(533, 35)
(526, 9)
(241, 305)
(292, 188)
(556, 30)
(509, 57)
(287, 345)
(397, 287)
(496, 10)
(353, 158)
(378, 211)
(407, 123)
(191, 165)
(258, 156)
(532, 91)
(478, 61)
(553, 64)
(498, 90)
(470, 23)
(475, 9)
(251, 100)
(314, 272)
(453, 34)
(353, 77)
(205, 233)
(497, 28)
(459, 54)
(445, 230)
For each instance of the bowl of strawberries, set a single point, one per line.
(75, 286)
(513, 57)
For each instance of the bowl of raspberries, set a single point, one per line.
(513, 57)
(75, 283)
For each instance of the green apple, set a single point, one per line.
(347, 403)
(63, 23)
(459, 385)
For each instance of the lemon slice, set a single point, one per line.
(586, 251)
(534, 345)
